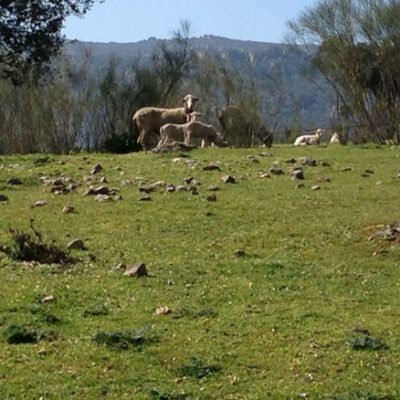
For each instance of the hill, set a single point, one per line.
(289, 99)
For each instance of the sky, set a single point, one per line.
(125, 21)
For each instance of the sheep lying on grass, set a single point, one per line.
(335, 139)
(206, 133)
(150, 119)
(305, 140)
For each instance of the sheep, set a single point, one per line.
(309, 139)
(194, 116)
(335, 139)
(170, 133)
(150, 119)
(207, 134)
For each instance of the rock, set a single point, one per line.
(323, 179)
(103, 198)
(212, 197)
(40, 203)
(103, 179)
(48, 299)
(181, 188)
(228, 179)
(276, 171)
(212, 167)
(239, 253)
(96, 169)
(300, 185)
(297, 173)
(264, 175)
(76, 244)
(308, 161)
(102, 190)
(136, 270)
(147, 189)
(170, 188)
(14, 181)
(68, 209)
(144, 198)
(290, 161)
(3, 198)
(368, 171)
(194, 190)
(347, 169)
(315, 187)
(188, 181)
(165, 310)
(213, 188)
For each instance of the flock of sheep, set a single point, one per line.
(182, 124)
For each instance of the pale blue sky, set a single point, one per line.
(134, 20)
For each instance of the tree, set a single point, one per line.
(358, 47)
(30, 35)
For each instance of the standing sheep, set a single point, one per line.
(335, 139)
(207, 134)
(150, 119)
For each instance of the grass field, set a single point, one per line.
(274, 290)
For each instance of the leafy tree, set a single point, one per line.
(30, 35)
(358, 52)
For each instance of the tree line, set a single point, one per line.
(49, 104)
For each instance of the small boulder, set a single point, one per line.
(48, 299)
(68, 210)
(315, 187)
(96, 169)
(138, 270)
(212, 167)
(228, 179)
(76, 244)
(212, 197)
(276, 171)
(40, 203)
(3, 198)
(165, 310)
(14, 181)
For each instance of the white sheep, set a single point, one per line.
(206, 133)
(305, 140)
(335, 139)
(194, 116)
(150, 119)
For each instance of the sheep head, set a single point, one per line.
(189, 101)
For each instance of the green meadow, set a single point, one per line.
(276, 288)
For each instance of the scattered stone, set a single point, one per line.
(324, 179)
(40, 203)
(68, 210)
(347, 169)
(158, 184)
(136, 270)
(103, 198)
(14, 181)
(264, 175)
(170, 189)
(48, 299)
(276, 171)
(188, 181)
(365, 175)
(290, 161)
(228, 179)
(147, 189)
(212, 197)
(103, 179)
(3, 198)
(181, 188)
(213, 188)
(369, 171)
(308, 161)
(315, 187)
(144, 198)
(300, 186)
(76, 244)
(239, 253)
(297, 173)
(212, 167)
(165, 310)
(194, 190)
(96, 169)
(102, 190)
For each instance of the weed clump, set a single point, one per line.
(32, 248)
(121, 340)
(196, 368)
(17, 334)
(367, 343)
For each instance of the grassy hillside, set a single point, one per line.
(274, 290)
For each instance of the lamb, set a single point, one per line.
(170, 133)
(207, 134)
(309, 139)
(150, 119)
(194, 116)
